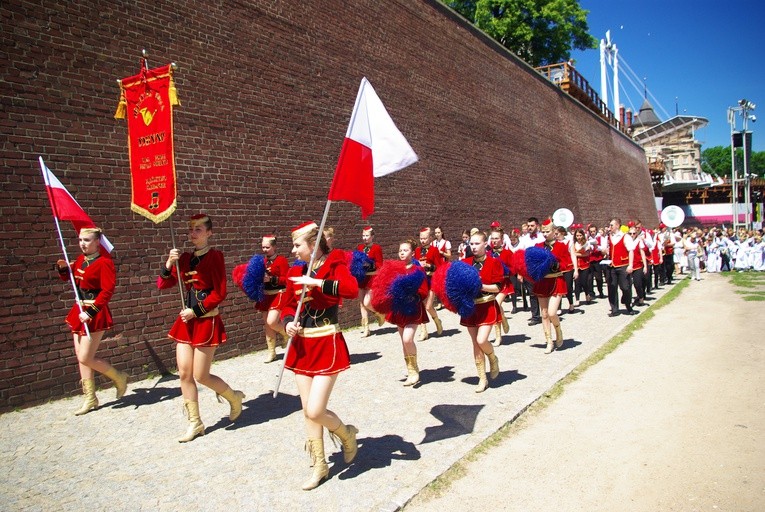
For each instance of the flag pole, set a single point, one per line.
(63, 244)
(177, 266)
(302, 296)
(145, 58)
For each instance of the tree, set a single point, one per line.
(717, 161)
(538, 31)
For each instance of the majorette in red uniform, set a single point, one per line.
(430, 259)
(551, 288)
(374, 252)
(199, 326)
(204, 278)
(274, 285)
(396, 293)
(487, 312)
(95, 279)
(318, 351)
(319, 348)
(505, 256)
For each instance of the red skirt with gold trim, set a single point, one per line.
(403, 320)
(101, 322)
(550, 286)
(199, 332)
(323, 355)
(486, 313)
(270, 302)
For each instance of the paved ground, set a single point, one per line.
(124, 456)
(671, 420)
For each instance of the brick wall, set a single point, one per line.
(267, 90)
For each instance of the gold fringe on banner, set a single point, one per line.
(122, 106)
(172, 92)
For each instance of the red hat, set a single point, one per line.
(630, 224)
(303, 229)
(516, 231)
(366, 230)
(496, 224)
(425, 230)
(547, 221)
(662, 225)
(271, 238)
(198, 220)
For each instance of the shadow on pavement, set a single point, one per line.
(456, 420)
(513, 338)
(374, 453)
(443, 374)
(136, 397)
(365, 357)
(259, 410)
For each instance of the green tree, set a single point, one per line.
(538, 31)
(717, 161)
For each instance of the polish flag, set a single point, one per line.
(65, 207)
(373, 147)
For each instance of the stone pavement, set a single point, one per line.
(124, 456)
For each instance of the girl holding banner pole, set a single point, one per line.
(319, 352)
(198, 329)
(95, 279)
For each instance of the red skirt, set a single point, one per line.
(550, 286)
(486, 313)
(101, 322)
(270, 302)
(323, 355)
(421, 317)
(199, 332)
(507, 287)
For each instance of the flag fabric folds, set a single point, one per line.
(372, 147)
(65, 207)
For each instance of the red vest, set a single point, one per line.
(619, 255)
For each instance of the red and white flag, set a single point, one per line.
(373, 147)
(65, 207)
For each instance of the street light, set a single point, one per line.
(744, 108)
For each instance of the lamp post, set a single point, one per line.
(744, 108)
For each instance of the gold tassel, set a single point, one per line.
(121, 107)
(172, 93)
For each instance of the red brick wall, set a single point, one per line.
(267, 90)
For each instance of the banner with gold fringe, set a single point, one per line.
(147, 101)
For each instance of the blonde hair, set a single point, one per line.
(92, 231)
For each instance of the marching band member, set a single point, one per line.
(443, 245)
(487, 311)
(515, 278)
(639, 264)
(319, 352)
(620, 246)
(274, 283)
(198, 329)
(373, 252)
(597, 254)
(463, 251)
(95, 278)
(583, 252)
(568, 263)
(551, 289)
(430, 259)
(532, 238)
(497, 250)
(407, 290)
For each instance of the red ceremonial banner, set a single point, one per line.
(147, 101)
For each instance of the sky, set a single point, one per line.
(703, 56)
